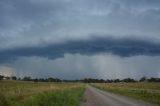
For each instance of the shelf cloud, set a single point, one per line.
(53, 30)
(120, 47)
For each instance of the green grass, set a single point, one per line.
(18, 93)
(149, 92)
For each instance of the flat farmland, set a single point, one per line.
(149, 92)
(28, 93)
(23, 93)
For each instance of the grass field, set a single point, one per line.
(19, 93)
(149, 92)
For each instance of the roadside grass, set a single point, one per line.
(20, 93)
(149, 92)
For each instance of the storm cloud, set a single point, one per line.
(37, 31)
(77, 66)
(120, 47)
(43, 22)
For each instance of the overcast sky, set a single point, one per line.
(74, 39)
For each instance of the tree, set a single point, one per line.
(51, 79)
(128, 80)
(35, 80)
(154, 79)
(13, 77)
(27, 78)
(117, 80)
(1, 77)
(142, 79)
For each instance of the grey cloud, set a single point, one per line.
(46, 30)
(120, 47)
(39, 22)
(78, 66)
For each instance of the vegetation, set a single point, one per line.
(24, 93)
(149, 92)
(1, 77)
(127, 80)
(56, 92)
(85, 80)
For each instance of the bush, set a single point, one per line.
(3, 100)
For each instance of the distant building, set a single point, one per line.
(6, 78)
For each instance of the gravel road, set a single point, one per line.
(96, 97)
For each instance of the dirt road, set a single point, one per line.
(96, 97)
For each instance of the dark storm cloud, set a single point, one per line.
(121, 47)
(41, 22)
(82, 35)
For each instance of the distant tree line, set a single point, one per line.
(28, 78)
(86, 80)
(89, 80)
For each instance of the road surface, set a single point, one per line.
(96, 97)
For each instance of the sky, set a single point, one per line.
(76, 39)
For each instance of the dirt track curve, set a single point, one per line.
(96, 97)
